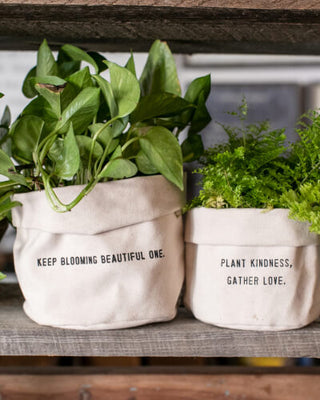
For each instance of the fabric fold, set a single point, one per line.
(140, 199)
(246, 227)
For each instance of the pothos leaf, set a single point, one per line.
(85, 144)
(6, 205)
(125, 88)
(80, 79)
(81, 110)
(8, 169)
(53, 98)
(6, 117)
(54, 82)
(197, 86)
(66, 65)
(66, 156)
(201, 116)
(77, 54)
(41, 108)
(5, 123)
(99, 59)
(144, 164)
(105, 136)
(117, 153)
(159, 105)
(197, 93)
(107, 92)
(192, 148)
(46, 64)
(131, 65)
(119, 168)
(160, 72)
(28, 85)
(76, 82)
(25, 137)
(164, 153)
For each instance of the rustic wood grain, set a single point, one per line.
(254, 4)
(183, 337)
(161, 386)
(189, 26)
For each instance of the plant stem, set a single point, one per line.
(95, 138)
(54, 200)
(128, 143)
(310, 172)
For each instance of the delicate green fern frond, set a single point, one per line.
(304, 205)
(256, 169)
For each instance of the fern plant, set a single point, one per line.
(249, 171)
(303, 200)
(256, 169)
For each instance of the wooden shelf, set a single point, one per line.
(226, 26)
(182, 337)
(232, 26)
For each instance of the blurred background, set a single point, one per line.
(276, 88)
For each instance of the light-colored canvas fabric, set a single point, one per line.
(114, 261)
(251, 269)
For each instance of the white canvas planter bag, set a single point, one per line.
(251, 269)
(114, 261)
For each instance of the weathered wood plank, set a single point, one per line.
(254, 4)
(161, 386)
(182, 337)
(189, 26)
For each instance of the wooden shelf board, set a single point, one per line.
(173, 384)
(283, 27)
(139, 384)
(182, 337)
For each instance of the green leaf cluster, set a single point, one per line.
(303, 200)
(12, 180)
(91, 120)
(255, 169)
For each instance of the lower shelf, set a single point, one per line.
(173, 384)
(183, 337)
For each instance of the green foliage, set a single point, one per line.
(160, 72)
(303, 199)
(77, 54)
(304, 204)
(159, 105)
(159, 145)
(247, 171)
(46, 65)
(82, 127)
(65, 155)
(255, 169)
(125, 89)
(13, 180)
(4, 124)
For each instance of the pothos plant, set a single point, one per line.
(97, 122)
(5, 188)
(256, 169)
